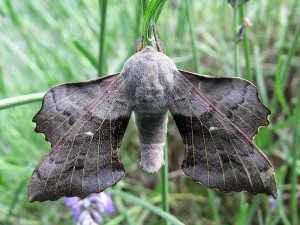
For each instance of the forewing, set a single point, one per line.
(234, 97)
(65, 103)
(85, 156)
(217, 153)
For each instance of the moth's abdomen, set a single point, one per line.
(152, 132)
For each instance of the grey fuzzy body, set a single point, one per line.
(150, 82)
(149, 77)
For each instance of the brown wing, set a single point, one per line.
(217, 153)
(85, 123)
(65, 103)
(236, 98)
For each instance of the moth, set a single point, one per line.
(86, 121)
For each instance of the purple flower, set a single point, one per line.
(88, 211)
(272, 202)
(246, 23)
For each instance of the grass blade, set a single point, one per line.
(21, 100)
(237, 72)
(14, 201)
(155, 200)
(191, 24)
(86, 53)
(12, 13)
(246, 46)
(293, 49)
(131, 198)
(165, 183)
(279, 88)
(295, 156)
(259, 75)
(145, 4)
(151, 16)
(102, 10)
(251, 210)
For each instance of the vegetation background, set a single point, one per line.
(44, 43)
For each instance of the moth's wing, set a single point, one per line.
(236, 98)
(85, 123)
(217, 153)
(65, 103)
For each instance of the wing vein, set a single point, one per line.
(244, 167)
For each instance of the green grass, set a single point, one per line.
(44, 43)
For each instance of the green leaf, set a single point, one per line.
(150, 17)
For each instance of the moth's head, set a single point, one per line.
(149, 49)
(159, 45)
(149, 55)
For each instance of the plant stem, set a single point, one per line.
(210, 193)
(295, 153)
(165, 183)
(20, 100)
(236, 49)
(192, 34)
(214, 210)
(151, 14)
(102, 11)
(247, 54)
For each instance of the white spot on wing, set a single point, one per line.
(89, 133)
(213, 128)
